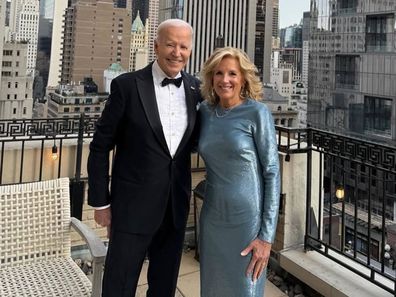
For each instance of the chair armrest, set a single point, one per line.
(96, 246)
(98, 252)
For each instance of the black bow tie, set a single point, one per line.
(176, 81)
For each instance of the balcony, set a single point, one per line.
(336, 230)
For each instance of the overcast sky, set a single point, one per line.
(291, 11)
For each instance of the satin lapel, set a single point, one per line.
(146, 91)
(191, 112)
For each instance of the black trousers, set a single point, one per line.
(127, 252)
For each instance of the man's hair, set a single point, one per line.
(172, 23)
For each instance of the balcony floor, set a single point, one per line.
(188, 282)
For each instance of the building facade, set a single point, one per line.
(139, 45)
(152, 24)
(24, 26)
(96, 34)
(352, 69)
(55, 66)
(305, 48)
(16, 87)
(3, 9)
(264, 34)
(69, 101)
(215, 23)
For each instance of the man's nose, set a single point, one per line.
(176, 51)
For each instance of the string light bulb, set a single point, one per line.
(54, 154)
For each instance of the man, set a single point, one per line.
(150, 120)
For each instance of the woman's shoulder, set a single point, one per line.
(258, 106)
(205, 106)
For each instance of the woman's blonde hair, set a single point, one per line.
(253, 87)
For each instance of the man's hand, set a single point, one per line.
(260, 255)
(103, 218)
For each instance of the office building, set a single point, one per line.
(352, 69)
(305, 48)
(24, 25)
(139, 45)
(55, 67)
(96, 34)
(69, 101)
(16, 87)
(264, 34)
(3, 9)
(152, 24)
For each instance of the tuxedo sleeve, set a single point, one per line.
(104, 140)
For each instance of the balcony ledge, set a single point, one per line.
(326, 276)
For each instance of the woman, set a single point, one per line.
(238, 145)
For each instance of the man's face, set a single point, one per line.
(173, 48)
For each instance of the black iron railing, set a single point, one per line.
(354, 226)
(350, 208)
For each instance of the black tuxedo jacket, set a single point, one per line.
(144, 174)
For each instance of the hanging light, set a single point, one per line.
(54, 154)
(340, 193)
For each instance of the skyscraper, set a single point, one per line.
(215, 23)
(305, 52)
(139, 45)
(2, 21)
(56, 43)
(352, 69)
(263, 38)
(152, 25)
(24, 25)
(96, 34)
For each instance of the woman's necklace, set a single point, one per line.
(221, 112)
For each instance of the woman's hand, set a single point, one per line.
(260, 255)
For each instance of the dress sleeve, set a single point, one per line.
(267, 152)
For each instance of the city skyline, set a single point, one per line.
(291, 11)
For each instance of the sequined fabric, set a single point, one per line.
(241, 198)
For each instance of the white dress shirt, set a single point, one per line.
(172, 108)
(171, 102)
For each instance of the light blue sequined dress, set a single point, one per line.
(241, 198)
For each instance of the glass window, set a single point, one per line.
(379, 33)
(347, 68)
(377, 115)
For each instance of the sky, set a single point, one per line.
(291, 11)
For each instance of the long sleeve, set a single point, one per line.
(102, 143)
(266, 145)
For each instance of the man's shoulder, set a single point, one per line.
(191, 78)
(128, 76)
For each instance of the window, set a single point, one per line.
(7, 64)
(24, 110)
(15, 96)
(6, 73)
(14, 111)
(86, 109)
(18, 52)
(76, 109)
(379, 33)
(9, 84)
(16, 85)
(377, 115)
(8, 96)
(66, 109)
(7, 53)
(347, 71)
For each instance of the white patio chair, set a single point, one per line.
(35, 257)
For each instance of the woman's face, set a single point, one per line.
(228, 80)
